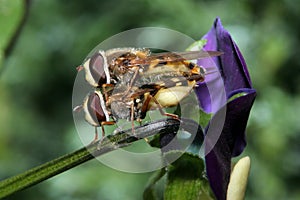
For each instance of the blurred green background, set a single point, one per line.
(36, 123)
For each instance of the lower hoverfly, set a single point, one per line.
(140, 81)
(132, 103)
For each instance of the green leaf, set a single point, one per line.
(11, 12)
(185, 180)
(204, 118)
(198, 45)
(151, 192)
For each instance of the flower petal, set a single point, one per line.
(230, 66)
(211, 93)
(231, 141)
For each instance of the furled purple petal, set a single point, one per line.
(218, 157)
(227, 76)
(240, 140)
(230, 66)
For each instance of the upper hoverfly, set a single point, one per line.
(131, 81)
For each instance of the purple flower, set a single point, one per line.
(227, 93)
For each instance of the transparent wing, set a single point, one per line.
(177, 56)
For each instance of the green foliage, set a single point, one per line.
(185, 179)
(156, 186)
(196, 45)
(204, 118)
(10, 17)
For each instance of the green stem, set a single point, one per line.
(43, 172)
(68, 161)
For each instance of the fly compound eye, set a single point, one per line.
(202, 71)
(96, 67)
(97, 72)
(95, 109)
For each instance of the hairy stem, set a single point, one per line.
(68, 161)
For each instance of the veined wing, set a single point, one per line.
(176, 56)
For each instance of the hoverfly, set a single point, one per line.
(108, 67)
(140, 80)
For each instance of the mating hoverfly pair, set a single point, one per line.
(128, 82)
